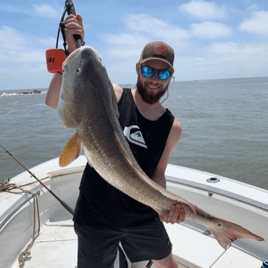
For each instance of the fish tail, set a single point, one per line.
(71, 150)
(227, 232)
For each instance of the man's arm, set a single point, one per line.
(73, 25)
(176, 214)
(53, 92)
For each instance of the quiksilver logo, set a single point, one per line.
(134, 135)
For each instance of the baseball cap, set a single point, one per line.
(157, 50)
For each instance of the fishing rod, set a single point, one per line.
(67, 207)
(69, 6)
(56, 56)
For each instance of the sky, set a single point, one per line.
(211, 39)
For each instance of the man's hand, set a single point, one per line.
(175, 214)
(73, 25)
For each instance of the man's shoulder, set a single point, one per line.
(118, 91)
(176, 124)
(175, 131)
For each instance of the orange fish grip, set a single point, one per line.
(55, 57)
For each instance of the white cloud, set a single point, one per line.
(210, 30)
(10, 39)
(253, 7)
(140, 29)
(125, 46)
(22, 62)
(203, 10)
(144, 22)
(156, 28)
(224, 60)
(241, 50)
(125, 38)
(45, 10)
(48, 41)
(24, 57)
(258, 23)
(15, 48)
(243, 58)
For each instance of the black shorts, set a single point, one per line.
(97, 247)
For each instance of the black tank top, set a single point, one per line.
(101, 204)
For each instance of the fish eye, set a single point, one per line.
(78, 70)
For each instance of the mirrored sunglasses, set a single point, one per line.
(148, 71)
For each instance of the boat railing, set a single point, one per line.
(211, 192)
(17, 208)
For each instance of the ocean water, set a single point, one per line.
(224, 128)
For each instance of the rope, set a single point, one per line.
(16, 189)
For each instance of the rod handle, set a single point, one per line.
(71, 10)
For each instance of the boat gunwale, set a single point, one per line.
(17, 208)
(265, 208)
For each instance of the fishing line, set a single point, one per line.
(61, 29)
(165, 97)
(67, 207)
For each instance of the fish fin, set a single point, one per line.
(229, 232)
(71, 151)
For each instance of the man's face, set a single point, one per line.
(153, 88)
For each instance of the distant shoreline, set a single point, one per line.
(24, 91)
(35, 91)
(40, 90)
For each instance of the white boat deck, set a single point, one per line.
(56, 247)
(196, 250)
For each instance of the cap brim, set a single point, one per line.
(155, 58)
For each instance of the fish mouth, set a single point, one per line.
(70, 58)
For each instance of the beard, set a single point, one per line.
(146, 96)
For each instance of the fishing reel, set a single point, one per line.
(56, 56)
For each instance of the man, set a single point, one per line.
(105, 216)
